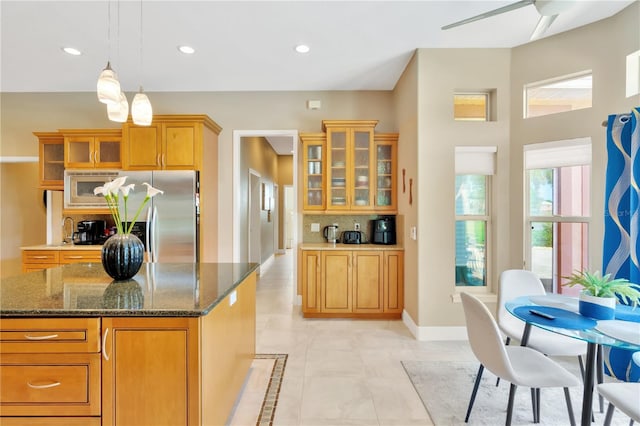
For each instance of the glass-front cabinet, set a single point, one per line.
(386, 173)
(92, 149)
(51, 160)
(349, 168)
(350, 159)
(313, 149)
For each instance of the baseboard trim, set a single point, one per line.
(433, 333)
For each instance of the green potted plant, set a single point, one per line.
(600, 292)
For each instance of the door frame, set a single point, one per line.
(252, 174)
(237, 194)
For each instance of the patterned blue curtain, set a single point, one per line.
(621, 221)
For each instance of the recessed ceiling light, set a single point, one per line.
(72, 51)
(302, 48)
(187, 50)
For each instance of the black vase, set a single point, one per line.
(122, 256)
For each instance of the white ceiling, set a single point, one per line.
(249, 45)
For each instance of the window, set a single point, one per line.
(474, 167)
(633, 74)
(471, 106)
(558, 176)
(560, 94)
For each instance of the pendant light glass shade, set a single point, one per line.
(119, 112)
(141, 111)
(108, 86)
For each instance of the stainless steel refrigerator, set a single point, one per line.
(168, 225)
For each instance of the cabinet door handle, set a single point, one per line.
(38, 257)
(159, 160)
(104, 345)
(47, 386)
(164, 160)
(48, 337)
(95, 156)
(74, 257)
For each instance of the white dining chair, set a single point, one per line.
(519, 282)
(518, 365)
(622, 395)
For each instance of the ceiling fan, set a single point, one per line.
(548, 10)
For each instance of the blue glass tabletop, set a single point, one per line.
(566, 321)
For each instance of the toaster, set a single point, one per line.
(351, 237)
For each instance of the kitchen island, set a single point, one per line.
(171, 346)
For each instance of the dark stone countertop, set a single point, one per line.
(85, 290)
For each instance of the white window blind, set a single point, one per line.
(572, 152)
(475, 160)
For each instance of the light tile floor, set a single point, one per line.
(339, 372)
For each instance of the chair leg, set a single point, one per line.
(600, 374)
(581, 362)
(512, 394)
(607, 418)
(538, 404)
(473, 393)
(631, 422)
(534, 405)
(567, 397)
(506, 343)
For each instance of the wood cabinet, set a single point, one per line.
(128, 370)
(170, 143)
(37, 260)
(51, 160)
(50, 368)
(178, 371)
(349, 169)
(152, 363)
(352, 283)
(92, 149)
(313, 154)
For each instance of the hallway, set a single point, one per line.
(339, 372)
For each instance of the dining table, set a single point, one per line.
(560, 314)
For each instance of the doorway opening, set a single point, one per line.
(245, 235)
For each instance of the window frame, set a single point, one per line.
(487, 106)
(550, 81)
(487, 219)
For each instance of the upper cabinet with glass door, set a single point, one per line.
(358, 174)
(313, 151)
(90, 149)
(350, 159)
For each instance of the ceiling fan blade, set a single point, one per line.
(498, 11)
(543, 24)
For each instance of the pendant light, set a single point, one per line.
(108, 87)
(141, 110)
(119, 112)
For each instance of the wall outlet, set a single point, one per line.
(356, 226)
(414, 233)
(315, 227)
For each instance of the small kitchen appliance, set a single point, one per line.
(351, 237)
(331, 233)
(384, 230)
(90, 232)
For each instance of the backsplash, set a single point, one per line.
(345, 223)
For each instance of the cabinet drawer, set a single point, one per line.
(50, 384)
(80, 256)
(50, 335)
(50, 421)
(40, 256)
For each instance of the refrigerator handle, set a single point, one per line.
(147, 235)
(154, 235)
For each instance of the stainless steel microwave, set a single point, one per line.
(79, 186)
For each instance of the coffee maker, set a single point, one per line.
(384, 230)
(90, 232)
